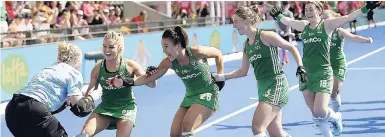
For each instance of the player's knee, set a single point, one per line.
(258, 129)
(89, 128)
(320, 111)
(187, 125)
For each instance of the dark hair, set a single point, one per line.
(176, 35)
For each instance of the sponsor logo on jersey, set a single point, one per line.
(191, 76)
(255, 57)
(112, 88)
(312, 40)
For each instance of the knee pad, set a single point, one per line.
(187, 134)
(261, 135)
(82, 135)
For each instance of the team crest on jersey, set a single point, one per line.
(195, 64)
(185, 71)
(102, 78)
(256, 41)
(319, 29)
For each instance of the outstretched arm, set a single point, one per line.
(331, 24)
(242, 71)
(209, 52)
(356, 38)
(299, 25)
(139, 72)
(162, 69)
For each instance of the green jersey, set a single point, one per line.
(112, 96)
(337, 56)
(316, 48)
(196, 75)
(264, 59)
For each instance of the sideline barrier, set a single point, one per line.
(19, 65)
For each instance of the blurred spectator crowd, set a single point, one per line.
(47, 17)
(50, 15)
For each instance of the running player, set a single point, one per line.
(285, 30)
(261, 51)
(202, 91)
(316, 34)
(118, 107)
(28, 114)
(337, 57)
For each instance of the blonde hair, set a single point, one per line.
(319, 5)
(249, 14)
(118, 38)
(68, 53)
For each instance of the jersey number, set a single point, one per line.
(206, 96)
(324, 83)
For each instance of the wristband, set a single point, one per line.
(364, 9)
(280, 16)
(128, 82)
(221, 77)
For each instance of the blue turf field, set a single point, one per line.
(363, 96)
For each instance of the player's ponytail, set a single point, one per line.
(177, 35)
(250, 14)
(183, 37)
(259, 17)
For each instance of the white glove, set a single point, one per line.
(219, 77)
(370, 39)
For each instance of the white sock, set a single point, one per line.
(187, 134)
(287, 135)
(260, 135)
(336, 103)
(325, 129)
(333, 117)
